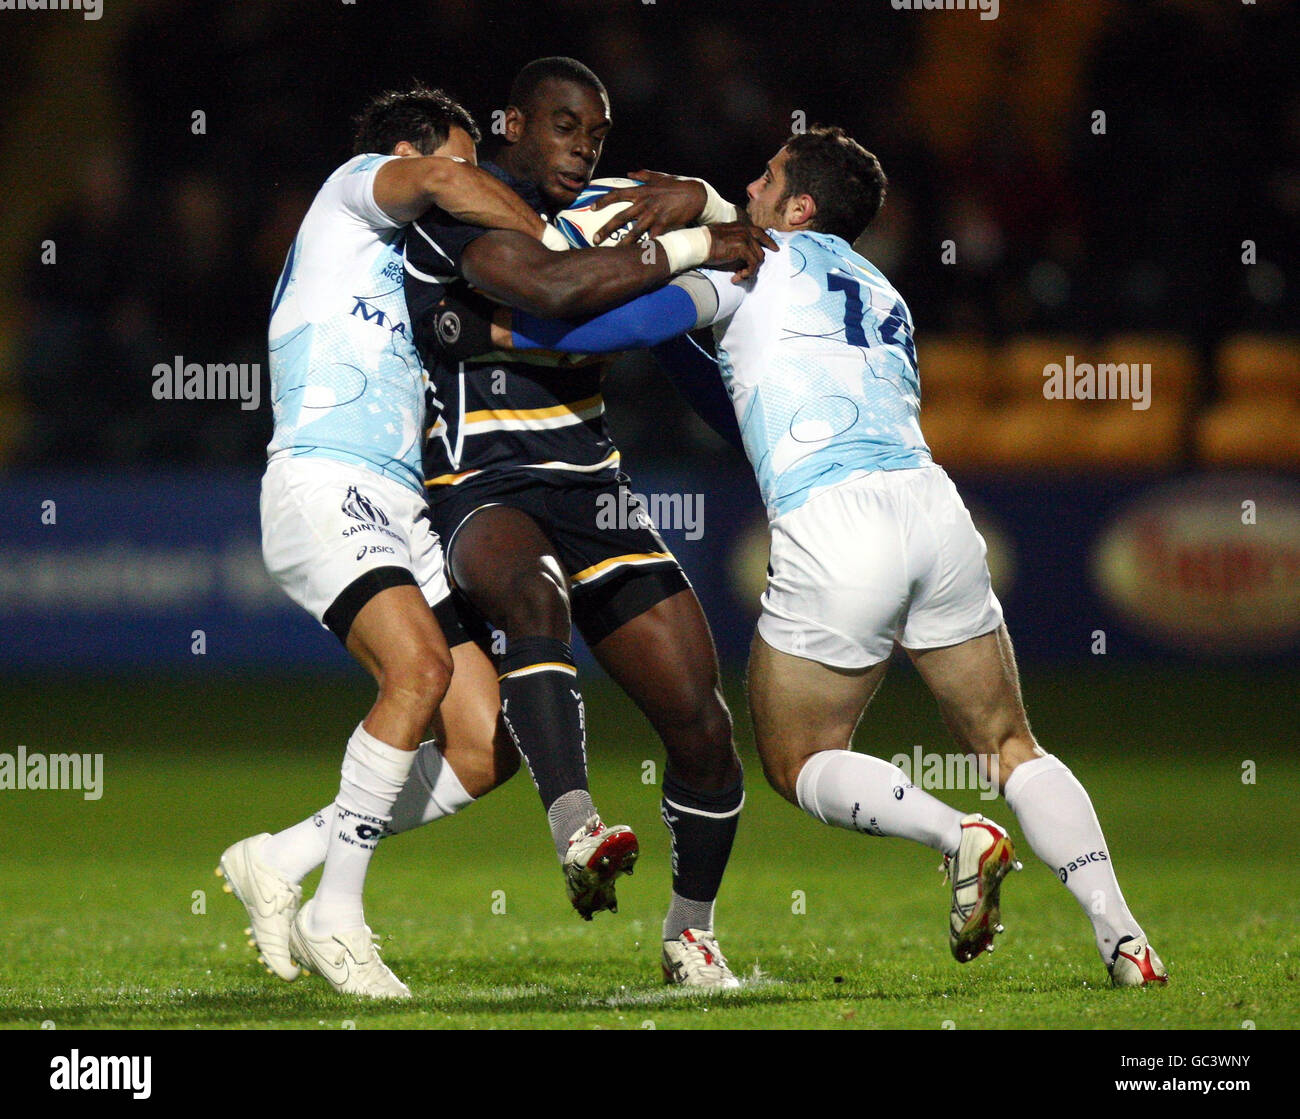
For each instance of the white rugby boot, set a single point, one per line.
(348, 961)
(984, 857)
(596, 856)
(1135, 964)
(270, 899)
(695, 960)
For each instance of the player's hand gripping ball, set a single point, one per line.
(580, 223)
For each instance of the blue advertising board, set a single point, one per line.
(164, 570)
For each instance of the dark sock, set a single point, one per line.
(542, 708)
(703, 827)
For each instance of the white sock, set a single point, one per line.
(866, 794)
(432, 791)
(372, 777)
(300, 849)
(1062, 829)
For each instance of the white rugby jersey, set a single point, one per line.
(346, 381)
(816, 353)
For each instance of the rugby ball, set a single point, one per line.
(580, 223)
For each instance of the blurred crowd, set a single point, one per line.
(1096, 167)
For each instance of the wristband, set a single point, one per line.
(686, 248)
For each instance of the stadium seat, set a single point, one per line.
(1018, 368)
(1112, 435)
(954, 370)
(960, 435)
(1259, 365)
(1175, 367)
(1032, 434)
(1246, 432)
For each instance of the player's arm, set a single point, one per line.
(658, 320)
(663, 203)
(699, 380)
(406, 188)
(691, 301)
(521, 272)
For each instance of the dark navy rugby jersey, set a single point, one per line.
(498, 413)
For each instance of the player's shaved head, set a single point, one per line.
(555, 127)
(421, 116)
(843, 178)
(523, 90)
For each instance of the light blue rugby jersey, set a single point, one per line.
(816, 352)
(346, 381)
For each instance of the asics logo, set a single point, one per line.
(1079, 862)
(360, 508)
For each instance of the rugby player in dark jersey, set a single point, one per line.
(520, 469)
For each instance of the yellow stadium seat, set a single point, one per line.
(1259, 365)
(953, 369)
(1175, 367)
(1246, 432)
(1032, 434)
(1018, 367)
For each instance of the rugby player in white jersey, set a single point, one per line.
(871, 544)
(346, 534)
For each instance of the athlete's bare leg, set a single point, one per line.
(468, 727)
(977, 688)
(665, 661)
(397, 640)
(801, 707)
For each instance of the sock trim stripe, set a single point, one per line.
(545, 666)
(700, 811)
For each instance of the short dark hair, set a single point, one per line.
(843, 178)
(559, 68)
(421, 116)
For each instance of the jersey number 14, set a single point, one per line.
(894, 331)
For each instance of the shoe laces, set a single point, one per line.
(592, 827)
(707, 943)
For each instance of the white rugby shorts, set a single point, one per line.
(889, 557)
(335, 534)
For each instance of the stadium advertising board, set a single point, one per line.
(129, 572)
(1208, 565)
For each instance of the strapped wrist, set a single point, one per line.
(552, 238)
(686, 248)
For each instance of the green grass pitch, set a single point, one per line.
(111, 916)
